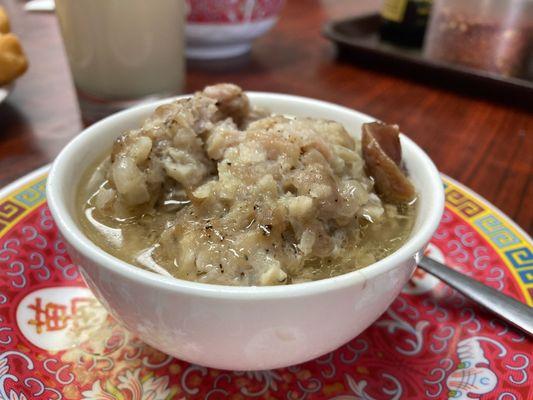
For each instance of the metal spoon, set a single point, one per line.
(507, 308)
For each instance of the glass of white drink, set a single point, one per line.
(122, 52)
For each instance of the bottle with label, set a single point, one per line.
(404, 21)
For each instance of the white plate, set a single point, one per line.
(4, 92)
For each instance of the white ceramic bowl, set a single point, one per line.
(240, 328)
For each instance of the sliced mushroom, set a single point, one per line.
(382, 153)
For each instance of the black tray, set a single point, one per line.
(358, 39)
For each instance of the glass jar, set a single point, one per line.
(491, 35)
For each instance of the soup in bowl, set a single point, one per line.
(244, 231)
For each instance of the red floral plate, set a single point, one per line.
(57, 341)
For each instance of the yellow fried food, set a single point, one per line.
(13, 62)
(4, 21)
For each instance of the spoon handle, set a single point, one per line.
(509, 309)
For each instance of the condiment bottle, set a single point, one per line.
(404, 21)
(491, 35)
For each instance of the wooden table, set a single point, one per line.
(482, 143)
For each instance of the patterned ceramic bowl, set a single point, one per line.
(226, 28)
(240, 328)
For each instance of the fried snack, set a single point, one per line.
(4, 21)
(13, 62)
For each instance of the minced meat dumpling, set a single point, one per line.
(210, 189)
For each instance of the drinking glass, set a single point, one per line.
(122, 52)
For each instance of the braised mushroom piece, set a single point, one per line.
(382, 153)
(212, 190)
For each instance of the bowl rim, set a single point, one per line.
(83, 245)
